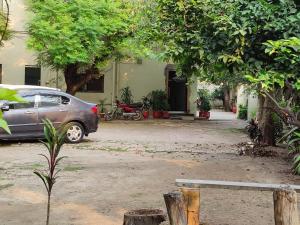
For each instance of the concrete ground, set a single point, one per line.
(129, 165)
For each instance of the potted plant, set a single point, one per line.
(157, 101)
(102, 108)
(203, 103)
(126, 95)
(146, 106)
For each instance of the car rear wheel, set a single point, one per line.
(75, 132)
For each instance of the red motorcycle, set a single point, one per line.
(125, 111)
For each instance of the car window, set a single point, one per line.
(30, 101)
(50, 100)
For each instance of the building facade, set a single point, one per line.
(18, 66)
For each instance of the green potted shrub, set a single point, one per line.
(146, 106)
(157, 101)
(102, 108)
(203, 103)
(243, 111)
(126, 95)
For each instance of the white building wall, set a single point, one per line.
(252, 105)
(141, 78)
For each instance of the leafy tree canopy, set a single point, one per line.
(79, 34)
(219, 41)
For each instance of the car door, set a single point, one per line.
(52, 107)
(22, 118)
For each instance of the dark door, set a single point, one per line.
(22, 118)
(32, 75)
(177, 92)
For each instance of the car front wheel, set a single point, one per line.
(75, 132)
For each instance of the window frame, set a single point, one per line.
(35, 105)
(84, 88)
(39, 103)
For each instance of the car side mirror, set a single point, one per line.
(5, 107)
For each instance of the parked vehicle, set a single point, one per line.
(125, 111)
(25, 120)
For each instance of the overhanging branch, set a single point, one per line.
(286, 114)
(6, 22)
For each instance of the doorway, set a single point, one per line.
(177, 92)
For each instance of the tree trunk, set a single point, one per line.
(191, 198)
(75, 81)
(285, 207)
(144, 217)
(266, 123)
(226, 101)
(176, 208)
(259, 114)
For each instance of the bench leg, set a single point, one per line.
(285, 207)
(191, 198)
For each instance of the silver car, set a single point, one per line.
(25, 120)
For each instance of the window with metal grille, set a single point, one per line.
(96, 85)
(32, 75)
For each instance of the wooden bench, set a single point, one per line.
(184, 206)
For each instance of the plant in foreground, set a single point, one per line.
(55, 138)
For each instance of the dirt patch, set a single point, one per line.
(128, 165)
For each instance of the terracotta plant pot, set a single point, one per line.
(101, 115)
(165, 114)
(204, 114)
(146, 114)
(156, 114)
(233, 109)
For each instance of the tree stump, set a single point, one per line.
(191, 198)
(176, 208)
(144, 217)
(285, 207)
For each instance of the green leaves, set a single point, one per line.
(54, 141)
(7, 95)
(79, 31)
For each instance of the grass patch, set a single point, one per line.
(2, 187)
(115, 149)
(72, 168)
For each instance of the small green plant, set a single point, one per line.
(126, 95)
(203, 101)
(292, 139)
(243, 111)
(205, 105)
(55, 138)
(146, 103)
(253, 114)
(158, 100)
(102, 105)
